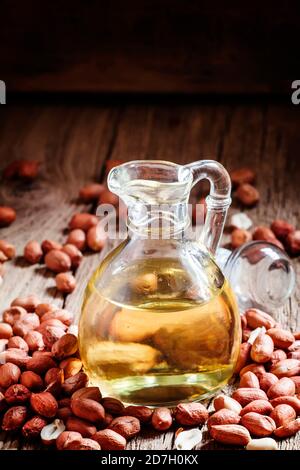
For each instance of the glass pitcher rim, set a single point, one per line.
(187, 175)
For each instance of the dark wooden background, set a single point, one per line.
(149, 46)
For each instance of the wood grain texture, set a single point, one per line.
(73, 142)
(149, 46)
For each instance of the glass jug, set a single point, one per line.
(159, 323)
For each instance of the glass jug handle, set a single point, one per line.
(217, 202)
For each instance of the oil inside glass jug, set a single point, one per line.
(150, 337)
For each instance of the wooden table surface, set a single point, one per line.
(74, 141)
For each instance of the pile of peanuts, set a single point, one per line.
(44, 394)
(267, 400)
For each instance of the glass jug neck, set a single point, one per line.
(158, 221)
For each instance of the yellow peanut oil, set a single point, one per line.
(148, 337)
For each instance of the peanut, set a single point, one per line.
(64, 413)
(44, 404)
(88, 409)
(18, 343)
(296, 381)
(28, 169)
(257, 318)
(96, 239)
(31, 380)
(249, 380)
(14, 418)
(294, 402)
(7, 216)
(66, 346)
(43, 308)
(15, 356)
(51, 334)
(109, 440)
(13, 314)
(239, 237)
(55, 374)
(262, 407)
(8, 249)
(33, 427)
(232, 434)
(9, 375)
(223, 416)
(257, 369)
(65, 282)
(282, 229)
(126, 426)
(49, 245)
(17, 394)
(83, 221)
(29, 303)
(85, 428)
(142, 413)
(33, 252)
(145, 283)
(247, 195)
(6, 331)
(40, 364)
(283, 414)
(258, 425)
(281, 338)
(293, 243)
(71, 366)
(267, 380)
(74, 254)
(112, 405)
(223, 401)
(265, 443)
(262, 348)
(246, 395)
(282, 388)
(77, 238)
(35, 341)
(107, 197)
(88, 392)
(57, 261)
(241, 176)
(52, 431)
(51, 322)
(244, 357)
(84, 444)
(62, 315)
(278, 355)
(286, 368)
(263, 233)
(190, 414)
(74, 383)
(26, 324)
(66, 438)
(288, 429)
(91, 192)
(162, 420)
